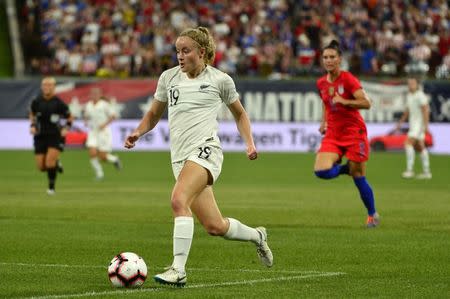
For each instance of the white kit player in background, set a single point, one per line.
(417, 111)
(98, 114)
(194, 91)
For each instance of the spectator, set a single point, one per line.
(419, 56)
(377, 36)
(443, 70)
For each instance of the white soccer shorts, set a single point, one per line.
(101, 140)
(207, 156)
(416, 132)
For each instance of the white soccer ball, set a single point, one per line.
(127, 270)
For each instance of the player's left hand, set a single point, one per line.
(252, 154)
(337, 99)
(64, 132)
(131, 139)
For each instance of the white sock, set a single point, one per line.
(241, 232)
(111, 158)
(410, 156)
(183, 232)
(97, 167)
(425, 161)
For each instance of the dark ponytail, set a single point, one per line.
(334, 45)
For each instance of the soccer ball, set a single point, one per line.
(127, 270)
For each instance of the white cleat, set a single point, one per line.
(118, 165)
(408, 174)
(424, 176)
(51, 191)
(263, 250)
(171, 277)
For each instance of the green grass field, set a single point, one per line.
(60, 246)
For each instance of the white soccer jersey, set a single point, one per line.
(97, 114)
(193, 105)
(415, 102)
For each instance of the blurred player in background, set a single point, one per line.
(194, 92)
(417, 111)
(47, 113)
(343, 128)
(98, 115)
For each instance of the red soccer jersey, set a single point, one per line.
(342, 122)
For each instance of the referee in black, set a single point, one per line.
(50, 120)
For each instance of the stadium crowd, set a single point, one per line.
(269, 38)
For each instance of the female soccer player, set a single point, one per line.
(417, 112)
(46, 114)
(98, 114)
(193, 92)
(344, 128)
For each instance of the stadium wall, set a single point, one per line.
(269, 137)
(267, 101)
(285, 114)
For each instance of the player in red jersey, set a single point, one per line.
(343, 128)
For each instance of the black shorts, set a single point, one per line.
(43, 142)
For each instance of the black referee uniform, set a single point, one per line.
(50, 115)
(49, 119)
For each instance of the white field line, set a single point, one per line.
(51, 265)
(193, 286)
(161, 267)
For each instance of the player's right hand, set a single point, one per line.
(64, 132)
(323, 128)
(131, 139)
(33, 130)
(252, 154)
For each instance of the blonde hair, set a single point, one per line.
(50, 80)
(204, 39)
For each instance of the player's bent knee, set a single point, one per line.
(41, 167)
(356, 174)
(325, 174)
(215, 229)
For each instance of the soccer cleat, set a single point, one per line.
(171, 277)
(408, 174)
(51, 191)
(118, 164)
(263, 250)
(373, 221)
(424, 176)
(59, 166)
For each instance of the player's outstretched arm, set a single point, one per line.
(243, 125)
(148, 122)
